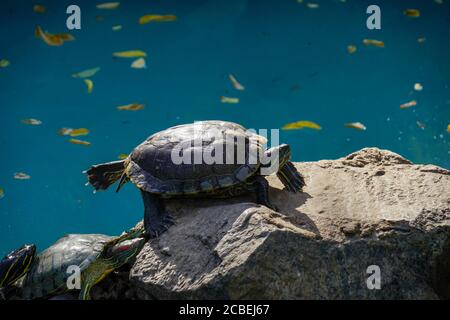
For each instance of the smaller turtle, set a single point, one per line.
(93, 255)
(14, 266)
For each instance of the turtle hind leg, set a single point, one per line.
(156, 220)
(101, 176)
(291, 178)
(261, 187)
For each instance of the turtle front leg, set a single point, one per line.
(261, 187)
(156, 220)
(291, 178)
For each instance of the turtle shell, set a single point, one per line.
(210, 155)
(48, 275)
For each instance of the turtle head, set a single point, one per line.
(275, 158)
(16, 264)
(122, 252)
(284, 154)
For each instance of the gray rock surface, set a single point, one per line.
(372, 207)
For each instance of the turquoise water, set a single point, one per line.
(292, 60)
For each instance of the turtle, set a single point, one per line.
(151, 167)
(14, 266)
(91, 256)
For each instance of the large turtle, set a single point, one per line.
(155, 168)
(93, 255)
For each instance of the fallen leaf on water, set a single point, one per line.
(21, 176)
(65, 131)
(421, 39)
(73, 132)
(420, 125)
(229, 100)
(31, 121)
(418, 87)
(156, 18)
(351, 49)
(86, 73)
(373, 42)
(131, 107)
(130, 54)
(139, 64)
(80, 142)
(52, 39)
(412, 13)
(122, 156)
(301, 124)
(408, 104)
(108, 5)
(235, 83)
(448, 128)
(48, 38)
(39, 8)
(79, 132)
(312, 5)
(355, 125)
(4, 63)
(65, 36)
(2, 193)
(117, 27)
(89, 84)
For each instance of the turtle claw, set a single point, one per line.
(157, 228)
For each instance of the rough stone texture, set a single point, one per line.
(372, 207)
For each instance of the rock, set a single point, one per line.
(370, 208)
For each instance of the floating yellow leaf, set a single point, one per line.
(21, 176)
(412, 13)
(373, 42)
(52, 39)
(418, 87)
(235, 83)
(39, 8)
(4, 63)
(355, 125)
(65, 131)
(301, 124)
(448, 128)
(33, 122)
(156, 18)
(108, 5)
(351, 49)
(117, 27)
(86, 73)
(130, 54)
(139, 64)
(122, 156)
(2, 193)
(131, 107)
(47, 37)
(408, 104)
(89, 84)
(79, 132)
(229, 100)
(64, 36)
(80, 142)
